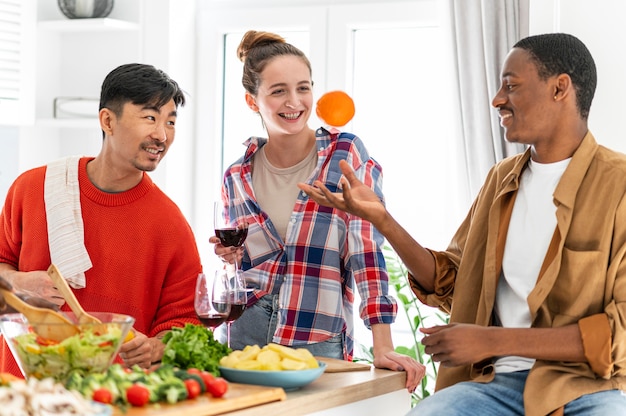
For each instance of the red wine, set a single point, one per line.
(210, 320)
(232, 236)
(236, 310)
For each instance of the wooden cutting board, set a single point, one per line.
(238, 396)
(334, 365)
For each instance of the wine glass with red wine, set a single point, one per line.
(212, 299)
(238, 298)
(230, 223)
(231, 227)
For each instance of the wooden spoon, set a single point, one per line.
(62, 286)
(44, 321)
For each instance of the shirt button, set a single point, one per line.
(293, 220)
(321, 148)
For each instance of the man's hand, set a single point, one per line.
(356, 198)
(33, 300)
(142, 351)
(458, 344)
(6, 286)
(35, 284)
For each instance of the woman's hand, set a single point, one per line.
(415, 371)
(227, 254)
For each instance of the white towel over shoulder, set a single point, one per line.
(66, 236)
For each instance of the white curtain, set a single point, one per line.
(483, 33)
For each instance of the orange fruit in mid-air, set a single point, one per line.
(335, 108)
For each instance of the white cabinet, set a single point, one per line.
(71, 59)
(74, 56)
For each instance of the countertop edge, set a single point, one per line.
(332, 390)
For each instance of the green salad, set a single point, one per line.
(84, 352)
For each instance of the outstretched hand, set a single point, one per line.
(356, 198)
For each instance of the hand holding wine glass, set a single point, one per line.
(211, 300)
(230, 224)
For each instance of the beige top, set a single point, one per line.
(276, 189)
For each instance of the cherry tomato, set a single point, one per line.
(45, 341)
(206, 377)
(217, 387)
(193, 388)
(137, 395)
(193, 371)
(102, 395)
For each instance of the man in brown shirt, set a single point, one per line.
(534, 279)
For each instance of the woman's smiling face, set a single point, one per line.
(285, 95)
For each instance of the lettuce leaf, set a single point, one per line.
(193, 346)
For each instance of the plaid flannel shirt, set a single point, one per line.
(325, 252)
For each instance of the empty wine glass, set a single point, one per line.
(211, 299)
(230, 223)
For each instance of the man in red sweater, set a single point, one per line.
(141, 253)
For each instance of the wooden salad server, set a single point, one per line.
(61, 284)
(45, 322)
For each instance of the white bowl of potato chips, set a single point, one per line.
(273, 365)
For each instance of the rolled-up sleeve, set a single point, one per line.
(596, 336)
(445, 276)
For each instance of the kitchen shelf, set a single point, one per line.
(88, 25)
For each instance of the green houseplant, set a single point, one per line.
(418, 315)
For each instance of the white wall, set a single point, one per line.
(9, 145)
(168, 35)
(600, 25)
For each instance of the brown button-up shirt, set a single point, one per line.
(582, 280)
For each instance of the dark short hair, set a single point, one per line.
(138, 84)
(561, 53)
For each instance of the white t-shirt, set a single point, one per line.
(532, 225)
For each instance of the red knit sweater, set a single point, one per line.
(144, 255)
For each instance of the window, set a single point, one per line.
(392, 59)
(17, 56)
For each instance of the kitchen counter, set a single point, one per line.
(338, 392)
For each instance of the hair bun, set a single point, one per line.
(254, 39)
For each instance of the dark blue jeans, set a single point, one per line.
(504, 396)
